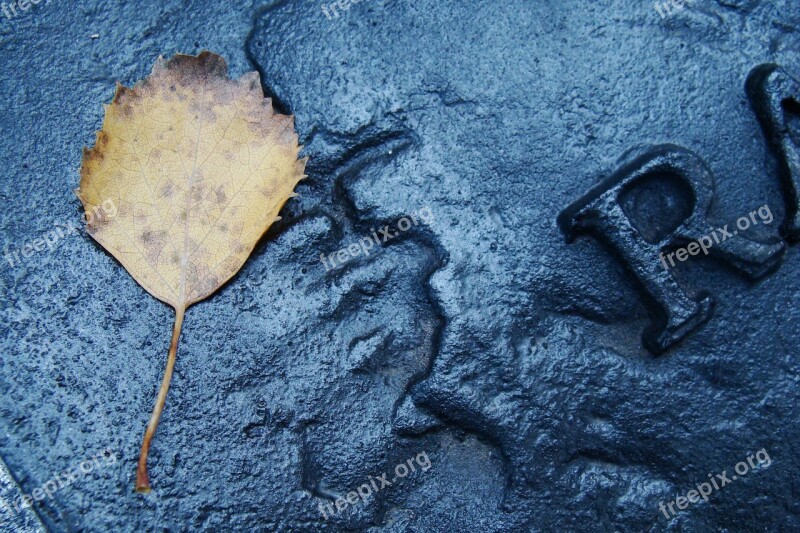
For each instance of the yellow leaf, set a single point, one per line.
(198, 167)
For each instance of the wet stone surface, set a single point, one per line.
(474, 334)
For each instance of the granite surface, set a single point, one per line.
(476, 337)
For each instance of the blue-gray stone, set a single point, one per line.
(478, 337)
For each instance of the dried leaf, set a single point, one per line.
(198, 166)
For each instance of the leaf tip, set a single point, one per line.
(200, 68)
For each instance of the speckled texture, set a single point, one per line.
(510, 357)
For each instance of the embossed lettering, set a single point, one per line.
(775, 98)
(620, 213)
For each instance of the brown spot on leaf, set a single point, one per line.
(221, 196)
(154, 242)
(167, 190)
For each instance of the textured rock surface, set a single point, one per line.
(510, 357)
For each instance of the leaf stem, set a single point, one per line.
(142, 479)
